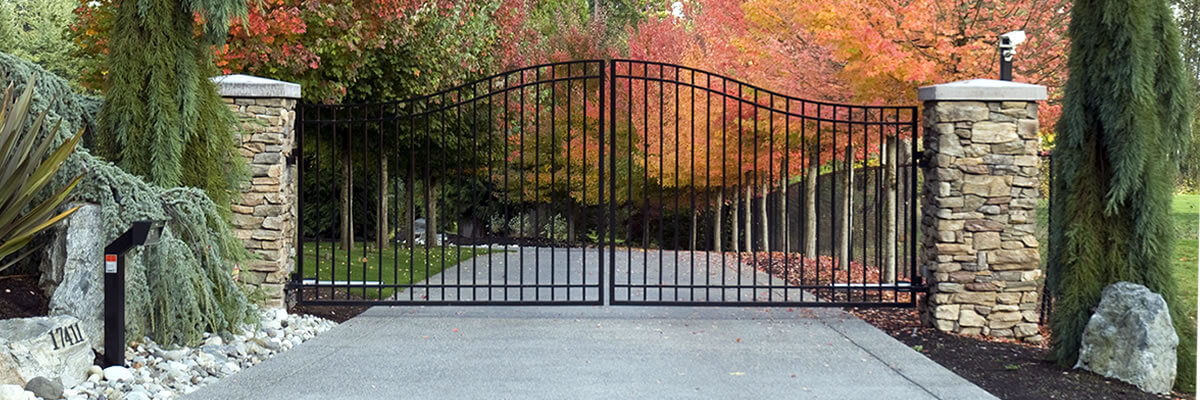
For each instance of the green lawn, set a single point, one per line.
(1185, 210)
(390, 266)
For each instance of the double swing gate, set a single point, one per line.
(607, 182)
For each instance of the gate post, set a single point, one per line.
(979, 249)
(264, 215)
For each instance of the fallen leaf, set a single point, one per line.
(455, 330)
(739, 340)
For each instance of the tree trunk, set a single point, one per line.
(784, 235)
(695, 220)
(736, 218)
(347, 199)
(847, 203)
(766, 223)
(889, 209)
(746, 224)
(382, 234)
(570, 223)
(431, 196)
(810, 208)
(410, 208)
(717, 220)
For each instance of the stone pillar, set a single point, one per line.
(265, 214)
(979, 251)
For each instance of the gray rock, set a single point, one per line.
(72, 273)
(52, 347)
(14, 392)
(45, 388)
(118, 373)
(137, 395)
(1130, 337)
(171, 355)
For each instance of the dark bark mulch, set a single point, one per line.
(336, 313)
(1008, 370)
(20, 297)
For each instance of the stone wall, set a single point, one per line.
(979, 245)
(264, 216)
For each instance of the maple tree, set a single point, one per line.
(887, 48)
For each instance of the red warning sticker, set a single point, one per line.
(110, 263)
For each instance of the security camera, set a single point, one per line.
(1012, 38)
(1009, 42)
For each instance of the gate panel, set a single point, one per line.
(487, 193)
(727, 194)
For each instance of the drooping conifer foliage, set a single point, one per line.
(162, 118)
(1126, 116)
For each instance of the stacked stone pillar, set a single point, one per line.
(264, 215)
(979, 246)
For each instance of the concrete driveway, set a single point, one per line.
(585, 352)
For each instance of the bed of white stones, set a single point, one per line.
(157, 373)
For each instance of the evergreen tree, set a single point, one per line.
(1187, 13)
(1126, 115)
(162, 118)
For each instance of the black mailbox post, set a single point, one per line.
(141, 233)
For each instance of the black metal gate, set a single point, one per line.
(606, 182)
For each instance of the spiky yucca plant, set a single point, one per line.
(25, 170)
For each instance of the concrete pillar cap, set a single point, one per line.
(238, 85)
(982, 90)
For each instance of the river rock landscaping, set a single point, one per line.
(154, 372)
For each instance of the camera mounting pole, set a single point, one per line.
(1008, 48)
(140, 233)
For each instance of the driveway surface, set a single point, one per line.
(597, 352)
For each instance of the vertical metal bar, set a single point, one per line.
(802, 199)
(537, 182)
(553, 169)
(629, 179)
(396, 195)
(489, 149)
(833, 202)
(379, 241)
(662, 155)
(611, 209)
(350, 199)
(770, 181)
(675, 192)
(786, 172)
(584, 185)
(738, 258)
(572, 223)
(521, 187)
(300, 162)
(474, 157)
(444, 149)
(724, 150)
(708, 177)
(645, 177)
(412, 200)
(754, 181)
(429, 191)
(504, 159)
(912, 227)
(692, 183)
(817, 204)
(458, 109)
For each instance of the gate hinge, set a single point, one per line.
(922, 160)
